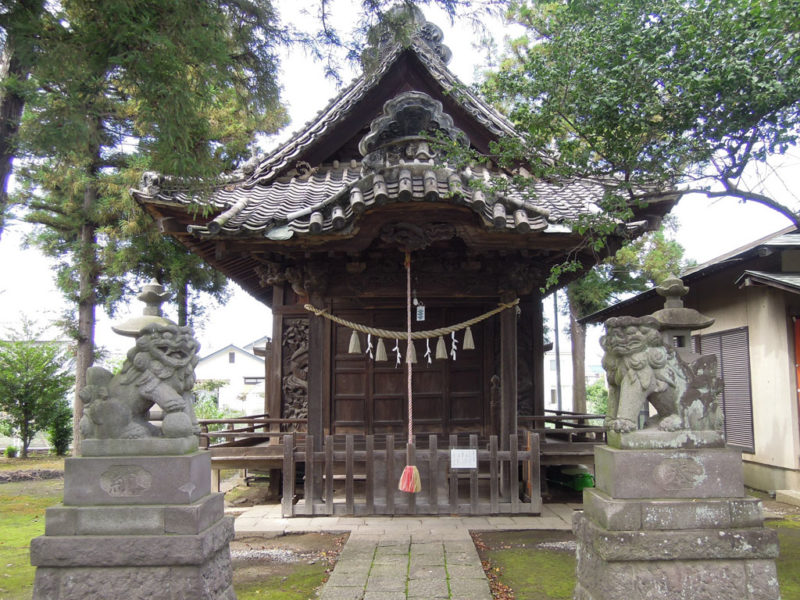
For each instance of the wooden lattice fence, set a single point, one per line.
(343, 479)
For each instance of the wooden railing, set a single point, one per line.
(491, 488)
(256, 428)
(567, 438)
(565, 426)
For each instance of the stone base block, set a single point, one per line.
(687, 544)
(139, 447)
(131, 550)
(136, 480)
(135, 520)
(146, 567)
(697, 473)
(633, 515)
(665, 440)
(210, 581)
(701, 564)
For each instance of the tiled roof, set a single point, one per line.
(275, 202)
(341, 105)
(329, 198)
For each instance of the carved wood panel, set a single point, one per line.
(294, 385)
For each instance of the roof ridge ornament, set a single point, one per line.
(403, 132)
(402, 25)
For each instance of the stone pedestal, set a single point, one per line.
(135, 527)
(672, 524)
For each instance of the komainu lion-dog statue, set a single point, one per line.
(641, 367)
(159, 370)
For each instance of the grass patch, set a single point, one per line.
(521, 564)
(789, 559)
(21, 520)
(35, 461)
(298, 583)
(536, 575)
(535, 565)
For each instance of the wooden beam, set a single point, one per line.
(171, 226)
(538, 354)
(275, 359)
(508, 374)
(316, 382)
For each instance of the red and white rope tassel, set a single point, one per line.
(409, 480)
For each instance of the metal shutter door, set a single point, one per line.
(733, 365)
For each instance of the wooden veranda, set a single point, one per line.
(353, 474)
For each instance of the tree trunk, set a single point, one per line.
(24, 436)
(11, 104)
(182, 300)
(87, 301)
(578, 334)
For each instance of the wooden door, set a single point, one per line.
(370, 397)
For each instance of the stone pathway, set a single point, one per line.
(403, 558)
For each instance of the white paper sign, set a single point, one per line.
(463, 458)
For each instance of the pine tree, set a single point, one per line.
(20, 24)
(178, 86)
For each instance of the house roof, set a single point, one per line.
(786, 238)
(788, 282)
(231, 348)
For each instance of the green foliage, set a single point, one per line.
(207, 409)
(59, 432)
(121, 87)
(185, 97)
(210, 385)
(646, 94)
(597, 397)
(10, 452)
(637, 266)
(34, 381)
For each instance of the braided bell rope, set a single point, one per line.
(415, 335)
(408, 348)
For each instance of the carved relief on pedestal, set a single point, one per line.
(679, 474)
(125, 481)
(294, 386)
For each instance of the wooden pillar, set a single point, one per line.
(538, 354)
(508, 374)
(275, 359)
(316, 387)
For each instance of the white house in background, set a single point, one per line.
(593, 373)
(244, 373)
